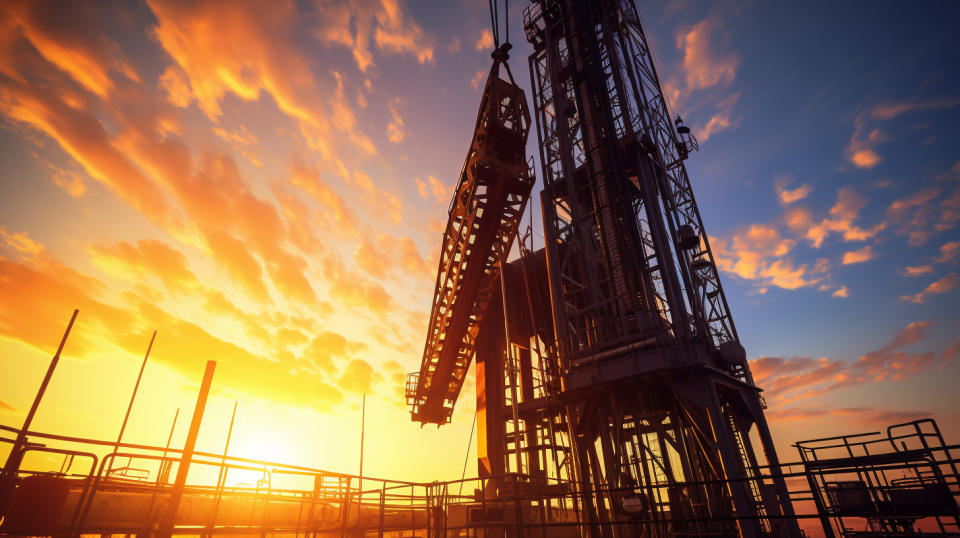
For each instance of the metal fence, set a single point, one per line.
(902, 482)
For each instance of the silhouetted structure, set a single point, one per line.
(615, 365)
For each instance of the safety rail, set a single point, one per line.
(69, 498)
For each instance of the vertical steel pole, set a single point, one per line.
(133, 396)
(12, 464)
(161, 474)
(222, 475)
(166, 526)
(363, 423)
(514, 404)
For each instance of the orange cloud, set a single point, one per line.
(789, 379)
(38, 301)
(241, 230)
(433, 186)
(865, 158)
(953, 351)
(386, 23)
(381, 202)
(841, 292)
(21, 242)
(917, 270)
(858, 256)
(308, 180)
(861, 148)
(60, 34)
(147, 257)
(789, 196)
(184, 345)
(47, 101)
(355, 290)
(454, 45)
(255, 52)
(327, 346)
(175, 84)
(233, 257)
(943, 285)
(843, 214)
(862, 415)
(915, 215)
(703, 67)
(242, 141)
(70, 181)
(950, 210)
(359, 377)
(301, 220)
(478, 78)
(759, 252)
(888, 111)
(486, 41)
(380, 255)
(721, 120)
(395, 128)
(948, 252)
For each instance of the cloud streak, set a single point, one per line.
(788, 379)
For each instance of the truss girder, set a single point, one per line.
(485, 212)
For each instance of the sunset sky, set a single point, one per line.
(265, 185)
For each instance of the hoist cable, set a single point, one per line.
(494, 24)
(467, 457)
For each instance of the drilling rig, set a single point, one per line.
(610, 362)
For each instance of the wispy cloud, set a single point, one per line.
(433, 187)
(948, 252)
(788, 379)
(891, 110)
(943, 285)
(917, 270)
(843, 216)
(918, 216)
(721, 119)
(396, 132)
(789, 196)
(869, 416)
(385, 25)
(61, 36)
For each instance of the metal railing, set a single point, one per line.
(96, 488)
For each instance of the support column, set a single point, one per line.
(490, 432)
(532, 448)
(779, 483)
(732, 466)
(166, 526)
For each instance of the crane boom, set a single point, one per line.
(487, 204)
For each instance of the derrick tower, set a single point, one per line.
(654, 379)
(610, 365)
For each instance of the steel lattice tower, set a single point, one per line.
(655, 385)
